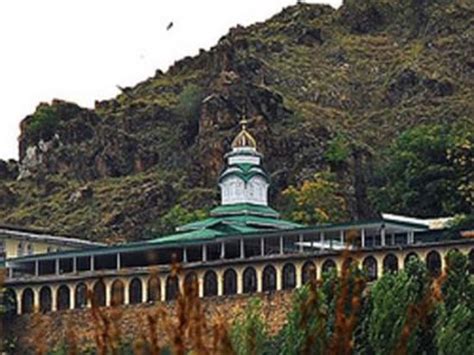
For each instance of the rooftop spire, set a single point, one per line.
(244, 138)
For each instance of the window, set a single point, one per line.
(289, 276)
(210, 284)
(370, 267)
(172, 287)
(250, 280)
(154, 289)
(308, 272)
(64, 298)
(269, 279)
(390, 263)
(230, 282)
(46, 300)
(135, 291)
(29, 249)
(433, 263)
(20, 249)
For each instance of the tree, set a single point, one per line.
(316, 201)
(456, 314)
(249, 333)
(426, 172)
(401, 315)
(175, 217)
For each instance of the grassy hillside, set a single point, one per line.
(324, 90)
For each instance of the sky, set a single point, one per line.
(80, 50)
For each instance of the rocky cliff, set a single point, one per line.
(308, 75)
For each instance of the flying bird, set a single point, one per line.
(169, 26)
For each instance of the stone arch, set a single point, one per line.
(250, 280)
(117, 293)
(288, 276)
(191, 286)
(154, 289)
(135, 291)
(308, 272)
(81, 296)
(269, 279)
(328, 265)
(27, 301)
(471, 262)
(433, 263)
(46, 299)
(409, 256)
(172, 287)
(98, 294)
(370, 267)
(63, 298)
(230, 282)
(210, 284)
(390, 263)
(10, 303)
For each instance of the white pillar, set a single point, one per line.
(298, 274)
(204, 252)
(108, 293)
(185, 255)
(382, 236)
(362, 237)
(301, 241)
(201, 284)
(259, 279)
(163, 288)
(242, 249)
(36, 268)
(92, 263)
(279, 277)
(56, 266)
(74, 264)
(222, 250)
(54, 298)
(72, 296)
(36, 299)
(145, 289)
(281, 245)
(126, 292)
(18, 295)
(262, 246)
(240, 281)
(118, 262)
(322, 241)
(341, 237)
(220, 283)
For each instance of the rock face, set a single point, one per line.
(367, 71)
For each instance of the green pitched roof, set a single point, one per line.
(244, 171)
(244, 209)
(229, 220)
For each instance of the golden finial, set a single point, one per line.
(244, 138)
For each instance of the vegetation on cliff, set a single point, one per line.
(359, 92)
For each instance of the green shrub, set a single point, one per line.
(43, 123)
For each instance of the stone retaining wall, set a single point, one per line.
(50, 330)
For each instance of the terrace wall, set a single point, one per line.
(49, 330)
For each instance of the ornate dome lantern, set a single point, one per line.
(244, 180)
